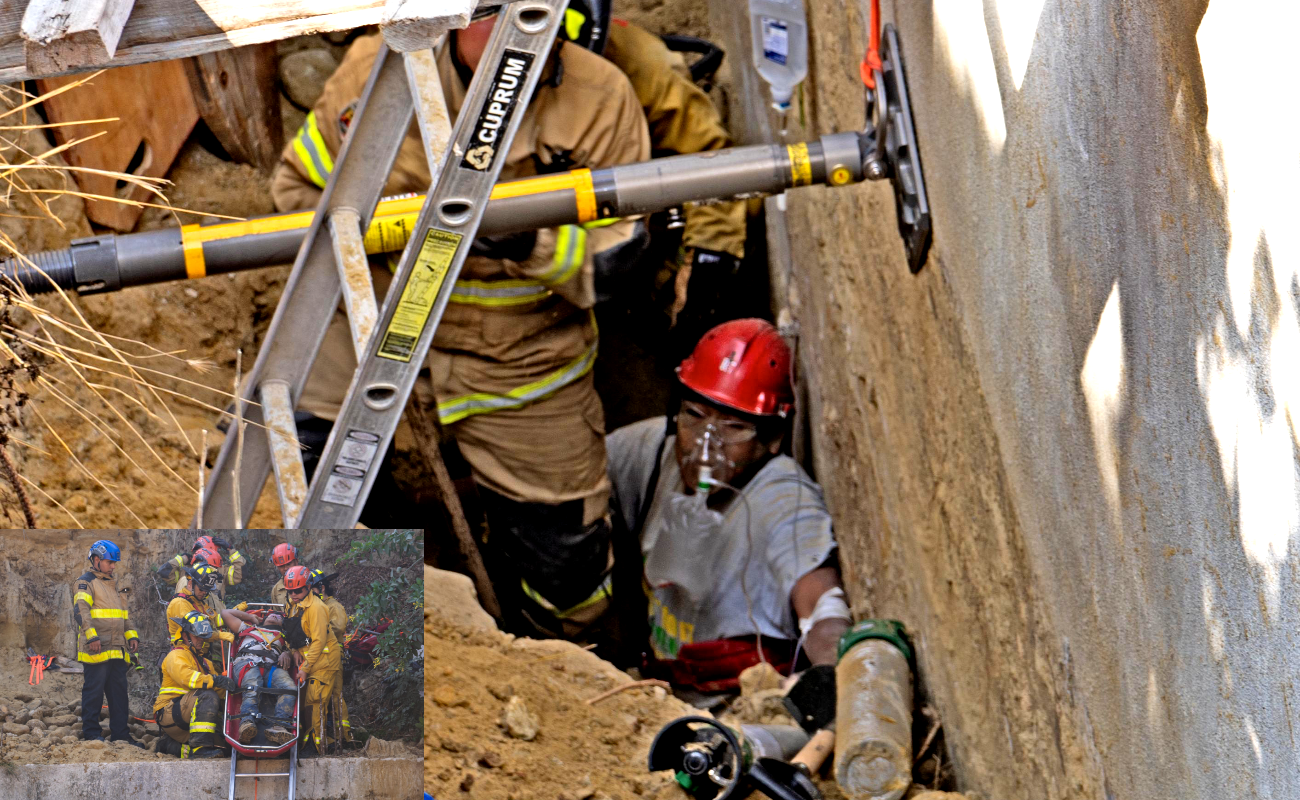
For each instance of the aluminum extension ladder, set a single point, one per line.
(332, 261)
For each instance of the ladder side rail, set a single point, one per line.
(514, 60)
(313, 290)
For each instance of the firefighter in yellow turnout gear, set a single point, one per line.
(198, 597)
(308, 630)
(284, 557)
(189, 702)
(105, 641)
(338, 624)
(231, 569)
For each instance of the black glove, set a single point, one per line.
(222, 543)
(512, 246)
(223, 682)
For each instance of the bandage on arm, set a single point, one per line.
(831, 605)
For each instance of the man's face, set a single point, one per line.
(285, 569)
(104, 566)
(472, 41)
(736, 436)
(198, 590)
(296, 595)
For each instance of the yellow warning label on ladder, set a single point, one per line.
(413, 310)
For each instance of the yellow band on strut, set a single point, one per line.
(393, 221)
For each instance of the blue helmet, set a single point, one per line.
(106, 550)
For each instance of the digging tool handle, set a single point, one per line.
(815, 753)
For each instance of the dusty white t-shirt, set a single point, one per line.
(780, 535)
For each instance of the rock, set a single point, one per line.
(37, 725)
(501, 691)
(69, 740)
(451, 745)
(62, 719)
(759, 677)
(446, 696)
(24, 697)
(303, 75)
(73, 706)
(451, 596)
(59, 733)
(44, 744)
(77, 710)
(98, 744)
(518, 721)
(23, 747)
(16, 728)
(22, 717)
(491, 759)
(37, 703)
(467, 782)
(4, 711)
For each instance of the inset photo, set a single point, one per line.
(235, 663)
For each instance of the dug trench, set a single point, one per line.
(40, 725)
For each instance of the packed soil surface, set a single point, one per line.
(39, 568)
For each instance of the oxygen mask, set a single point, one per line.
(709, 434)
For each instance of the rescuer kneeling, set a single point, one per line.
(189, 702)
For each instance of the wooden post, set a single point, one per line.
(237, 96)
(425, 427)
(63, 34)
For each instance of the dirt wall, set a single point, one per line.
(1066, 453)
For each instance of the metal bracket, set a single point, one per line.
(892, 152)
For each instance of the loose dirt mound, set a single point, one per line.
(578, 751)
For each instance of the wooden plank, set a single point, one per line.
(156, 112)
(237, 96)
(166, 29)
(407, 25)
(58, 34)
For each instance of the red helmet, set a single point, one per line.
(296, 577)
(202, 542)
(743, 364)
(208, 555)
(283, 554)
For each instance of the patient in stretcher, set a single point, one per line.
(262, 659)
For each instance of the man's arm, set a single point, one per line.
(822, 640)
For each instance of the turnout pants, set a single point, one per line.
(317, 725)
(191, 720)
(107, 678)
(339, 708)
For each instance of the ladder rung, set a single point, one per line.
(261, 774)
(286, 455)
(354, 275)
(430, 106)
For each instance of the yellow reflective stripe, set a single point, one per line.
(311, 151)
(185, 751)
(195, 680)
(202, 727)
(230, 575)
(498, 293)
(601, 223)
(90, 601)
(172, 691)
(570, 248)
(131, 635)
(108, 613)
(103, 655)
(573, 22)
(234, 555)
(604, 590)
(91, 633)
(458, 408)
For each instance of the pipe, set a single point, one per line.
(113, 262)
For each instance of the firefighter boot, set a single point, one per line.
(203, 727)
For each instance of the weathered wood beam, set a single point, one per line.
(160, 30)
(62, 33)
(410, 25)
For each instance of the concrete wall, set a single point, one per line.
(318, 779)
(1067, 453)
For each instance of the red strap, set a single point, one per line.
(871, 61)
(715, 665)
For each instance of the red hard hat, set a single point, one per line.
(283, 554)
(208, 555)
(296, 577)
(204, 541)
(744, 365)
